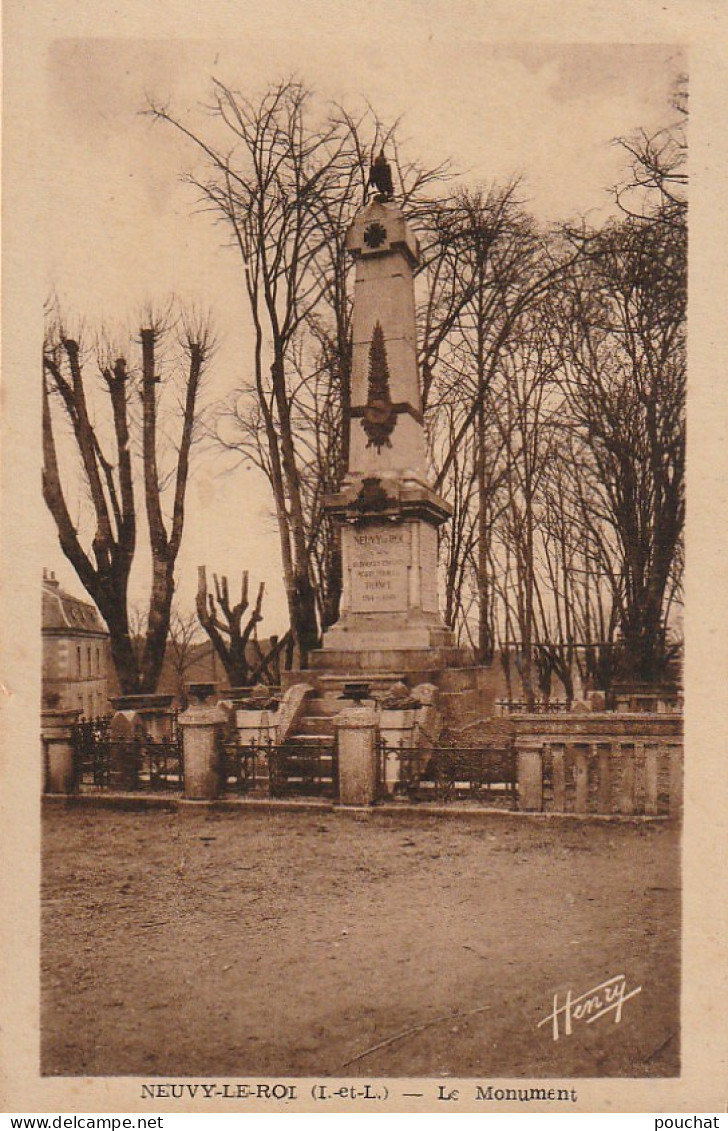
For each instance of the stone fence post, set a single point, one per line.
(202, 726)
(356, 733)
(57, 737)
(529, 753)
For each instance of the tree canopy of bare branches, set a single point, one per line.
(554, 370)
(286, 179)
(656, 185)
(626, 362)
(552, 376)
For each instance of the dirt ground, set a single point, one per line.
(256, 943)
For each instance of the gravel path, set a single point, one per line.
(287, 944)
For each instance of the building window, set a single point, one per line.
(78, 656)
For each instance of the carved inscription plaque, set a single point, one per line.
(428, 568)
(378, 558)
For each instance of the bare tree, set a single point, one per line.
(286, 179)
(267, 182)
(233, 631)
(184, 631)
(528, 413)
(494, 267)
(107, 407)
(624, 331)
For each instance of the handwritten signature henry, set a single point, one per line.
(607, 997)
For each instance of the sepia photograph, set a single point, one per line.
(359, 559)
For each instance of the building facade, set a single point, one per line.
(75, 648)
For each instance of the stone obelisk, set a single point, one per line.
(389, 616)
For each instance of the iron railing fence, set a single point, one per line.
(161, 764)
(305, 766)
(483, 772)
(540, 707)
(297, 766)
(244, 765)
(90, 746)
(139, 763)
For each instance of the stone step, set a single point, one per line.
(316, 725)
(309, 740)
(325, 706)
(331, 684)
(369, 660)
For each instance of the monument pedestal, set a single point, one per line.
(390, 565)
(389, 616)
(201, 727)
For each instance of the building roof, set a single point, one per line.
(63, 612)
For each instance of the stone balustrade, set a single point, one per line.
(606, 763)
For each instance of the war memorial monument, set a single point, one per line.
(389, 618)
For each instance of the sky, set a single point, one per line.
(121, 228)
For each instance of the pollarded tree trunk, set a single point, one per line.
(160, 610)
(233, 637)
(109, 484)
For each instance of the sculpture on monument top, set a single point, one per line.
(380, 178)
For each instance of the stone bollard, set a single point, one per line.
(202, 726)
(356, 731)
(530, 777)
(57, 735)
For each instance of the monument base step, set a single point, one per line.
(317, 725)
(405, 637)
(387, 660)
(329, 681)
